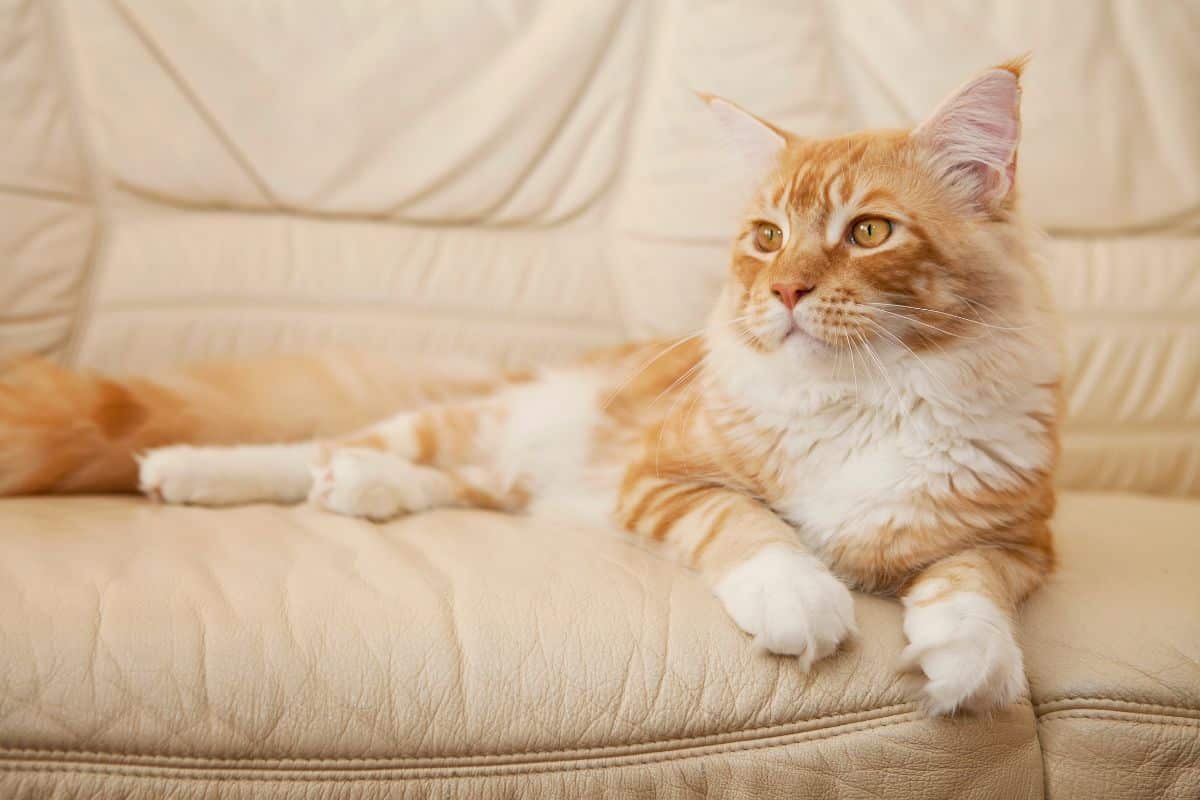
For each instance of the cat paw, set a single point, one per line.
(789, 602)
(370, 484)
(187, 475)
(965, 646)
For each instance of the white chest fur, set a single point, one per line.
(864, 450)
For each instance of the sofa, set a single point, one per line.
(183, 180)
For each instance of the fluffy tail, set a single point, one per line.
(74, 432)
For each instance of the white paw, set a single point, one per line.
(367, 483)
(964, 644)
(789, 602)
(183, 474)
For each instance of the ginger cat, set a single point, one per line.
(872, 405)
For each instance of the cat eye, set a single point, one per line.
(767, 237)
(870, 232)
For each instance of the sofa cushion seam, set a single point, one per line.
(1121, 717)
(467, 771)
(1133, 706)
(682, 742)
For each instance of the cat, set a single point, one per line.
(872, 405)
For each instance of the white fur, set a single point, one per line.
(965, 646)
(375, 485)
(789, 602)
(221, 476)
(843, 213)
(864, 444)
(548, 441)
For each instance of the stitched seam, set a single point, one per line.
(1041, 707)
(459, 772)
(762, 731)
(1124, 718)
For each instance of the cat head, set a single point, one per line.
(880, 239)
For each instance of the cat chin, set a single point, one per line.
(802, 344)
(796, 352)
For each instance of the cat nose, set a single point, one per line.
(790, 293)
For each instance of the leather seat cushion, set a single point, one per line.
(277, 649)
(157, 648)
(1112, 648)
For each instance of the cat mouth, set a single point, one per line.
(802, 336)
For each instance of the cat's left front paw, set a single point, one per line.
(965, 646)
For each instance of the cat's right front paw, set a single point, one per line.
(789, 602)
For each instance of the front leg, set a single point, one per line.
(772, 588)
(360, 482)
(959, 622)
(226, 476)
(442, 456)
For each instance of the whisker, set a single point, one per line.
(996, 314)
(955, 316)
(625, 384)
(689, 374)
(981, 306)
(853, 362)
(942, 331)
(900, 342)
(883, 371)
(679, 343)
(687, 415)
(837, 364)
(663, 427)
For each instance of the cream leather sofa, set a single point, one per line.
(182, 179)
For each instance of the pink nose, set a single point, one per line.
(790, 293)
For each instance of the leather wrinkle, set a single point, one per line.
(98, 182)
(42, 193)
(388, 306)
(386, 217)
(566, 114)
(198, 105)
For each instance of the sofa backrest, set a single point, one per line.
(210, 177)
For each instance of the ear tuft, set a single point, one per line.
(1016, 66)
(758, 142)
(973, 135)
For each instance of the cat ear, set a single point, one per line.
(973, 135)
(758, 142)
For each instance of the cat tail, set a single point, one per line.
(64, 431)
